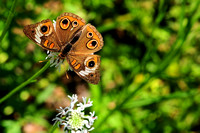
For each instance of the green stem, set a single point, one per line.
(9, 19)
(30, 80)
(53, 128)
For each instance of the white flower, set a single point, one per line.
(55, 60)
(74, 119)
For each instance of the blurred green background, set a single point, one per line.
(150, 66)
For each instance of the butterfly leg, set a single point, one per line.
(66, 74)
(43, 61)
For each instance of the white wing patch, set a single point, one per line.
(38, 35)
(54, 24)
(88, 70)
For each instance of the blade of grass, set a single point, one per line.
(30, 80)
(162, 12)
(145, 102)
(9, 19)
(182, 36)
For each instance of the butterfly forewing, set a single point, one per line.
(67, 24)
(43, 34)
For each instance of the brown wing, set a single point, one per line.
(90, 41)
(43, 34)
(86, 66)
(67, 24)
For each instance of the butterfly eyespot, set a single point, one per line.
(92, 44)
(74, 23)
(89, 35)
(44, 29)
(64, 23)
(91, 64)
(33, 31)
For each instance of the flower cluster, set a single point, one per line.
(73, 117)
(54, 59)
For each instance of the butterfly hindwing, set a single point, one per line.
(86, 66)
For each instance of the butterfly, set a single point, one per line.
(74, 40)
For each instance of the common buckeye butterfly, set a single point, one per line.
(74, 40)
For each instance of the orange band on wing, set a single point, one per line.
(45, 43)
(52, 45)
(77, 66)
(72, 19)
(73, 62)
(94, 34)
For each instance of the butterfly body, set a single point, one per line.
(75, 40)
